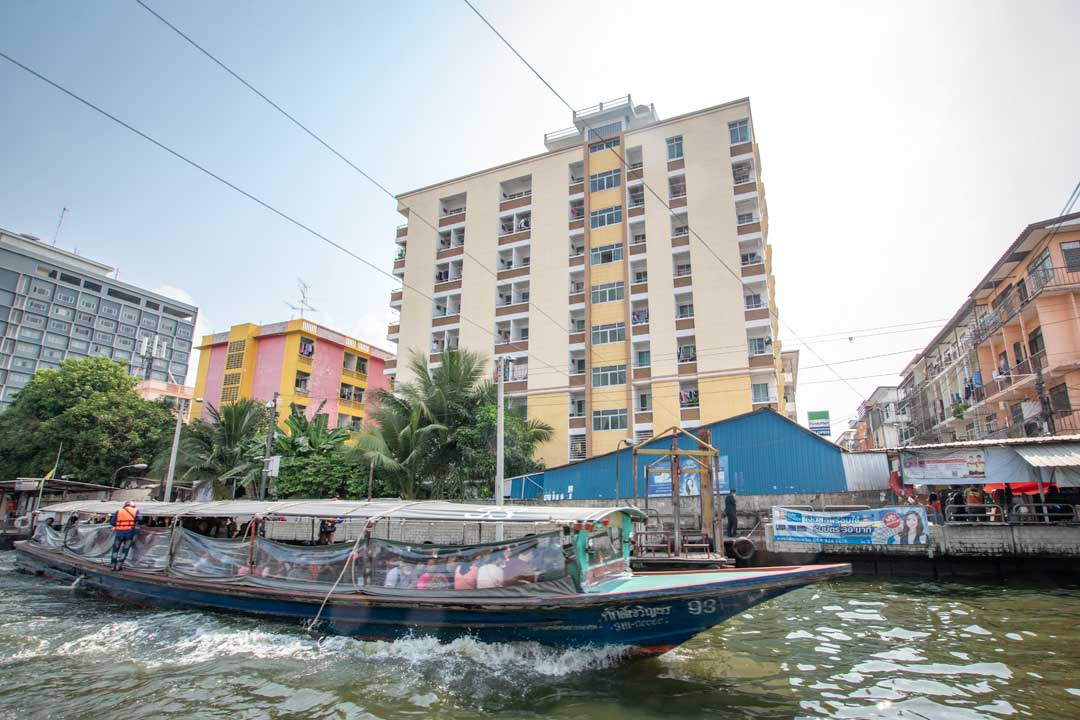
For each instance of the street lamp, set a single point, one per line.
(629, 443)
(133, 466)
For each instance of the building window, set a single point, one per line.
(643, 358)
(610, 333)
(1059, 398)
(644, 402)
(605, 130)
(121, 295)
(761, 392)
(606, 254)
(605, 180)
(604, 420)
(688, 398)
(605, 216)
(674, 148)
(307, 347)
(759, 346)
(744, 218)
(605, 145)
(685, 310)
(609, 375)
(608, 292)
(739, 131)
(577, 407)
(1070, 251)
(577, 447)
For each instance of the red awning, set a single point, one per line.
(1021, 488)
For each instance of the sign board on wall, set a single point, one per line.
(818, 420)
(939, 466)
(659, 478)
(877, 526)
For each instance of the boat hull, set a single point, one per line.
(646, 623)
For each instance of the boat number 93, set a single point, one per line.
(702, 607)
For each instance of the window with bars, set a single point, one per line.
(231, 379)
(605, 420)
(1059, 398)
(609, 333)
(674, 148)
(606, 254)
(739, 131)
(1070, 252)
(605, 216)
(577, 447)
(608, 292)
(605, 180)
(609, 375)
(230, 394)
(234, 360)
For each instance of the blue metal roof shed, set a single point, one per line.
(766, 454)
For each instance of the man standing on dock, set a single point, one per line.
(123, 522)
(730, 514)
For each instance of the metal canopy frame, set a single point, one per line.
(707, 488)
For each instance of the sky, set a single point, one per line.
(904, 145)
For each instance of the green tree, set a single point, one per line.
(230, 446)
(91, 406)
(305, 437)
(329, 474)
(435, 436)
(475, 465)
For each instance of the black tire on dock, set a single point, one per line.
(743, 548)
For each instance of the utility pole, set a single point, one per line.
(499, 436)
(270, 433)
(180, 408)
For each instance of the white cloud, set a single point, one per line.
(201, 325)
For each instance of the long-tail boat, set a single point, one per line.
(383, 570)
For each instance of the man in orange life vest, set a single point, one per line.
(124, 521)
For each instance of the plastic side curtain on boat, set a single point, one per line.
(534, 565)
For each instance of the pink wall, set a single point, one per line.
(215, 375)
(269, 360)
(326, 378)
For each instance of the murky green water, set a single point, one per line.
(851, 649)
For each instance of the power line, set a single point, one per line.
(233, 186)
(671, 212)
(327, 145)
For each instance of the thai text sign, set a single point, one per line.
(818, 420)
(943, 465)
(878, 526)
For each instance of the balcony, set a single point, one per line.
(1038, 282)
(402, 230)
(354, 375)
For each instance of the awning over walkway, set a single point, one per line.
(1064, 455)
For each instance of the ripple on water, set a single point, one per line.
(883, 652)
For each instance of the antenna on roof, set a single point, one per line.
(302, 305)
(56, 234)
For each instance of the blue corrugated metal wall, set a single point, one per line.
(767, 454)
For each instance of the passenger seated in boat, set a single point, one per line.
(491, 573)
(327, 526)
(400, 575)
(432, 578)
(465, 575)
(520, 568)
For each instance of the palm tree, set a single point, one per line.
(229, 446)
(399, 444)
(309, 437)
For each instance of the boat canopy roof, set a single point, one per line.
(376, 509)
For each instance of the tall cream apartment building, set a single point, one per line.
(615, 318)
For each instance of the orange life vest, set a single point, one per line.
(125, 519)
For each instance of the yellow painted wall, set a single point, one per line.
(607, 235)
(725, 396)
(665, 398)
(200, 378)
(609, 312)
(607, 273)
(553, 409)
(605, 160)
(609, 354)
(607, 198)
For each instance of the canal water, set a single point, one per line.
(849, 649)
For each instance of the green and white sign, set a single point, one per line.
(819, 422)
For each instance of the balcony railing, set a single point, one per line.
(680, 231)
(639, 317)
(1037, 281)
